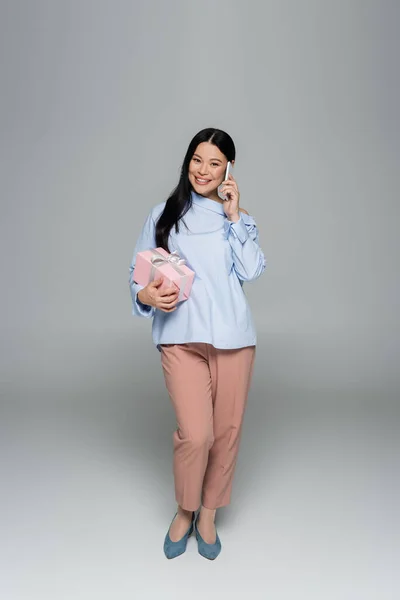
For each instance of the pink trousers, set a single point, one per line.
(208, 388)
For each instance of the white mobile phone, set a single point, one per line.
(229, 171)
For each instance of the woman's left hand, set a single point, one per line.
(230, 189)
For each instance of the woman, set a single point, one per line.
(208, 341)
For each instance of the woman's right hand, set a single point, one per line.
(165, 300)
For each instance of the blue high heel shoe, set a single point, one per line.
(209, 551)
(174, 549)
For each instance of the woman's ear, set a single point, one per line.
(232, 163)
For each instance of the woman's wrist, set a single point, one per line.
(234, 218)
(140, 297)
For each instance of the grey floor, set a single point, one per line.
(87, 490)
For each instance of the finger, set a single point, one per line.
(168, 303)
(167, 294)
(231, 195)
(229, 189)
(156, 282)
(167, 307)
(170, 290)
(169, 298)
(168, 310)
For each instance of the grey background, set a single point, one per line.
(98, 103)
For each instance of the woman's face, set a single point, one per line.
(207, 170)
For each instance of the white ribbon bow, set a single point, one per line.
(172, 258)
(158, 260)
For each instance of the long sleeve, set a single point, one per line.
(146, 240)
(223, 255)
(248, 258)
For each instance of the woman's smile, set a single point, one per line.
(202, 181)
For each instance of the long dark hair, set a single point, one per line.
(180, 200)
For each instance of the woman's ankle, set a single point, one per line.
(207, 514)
(182, 512)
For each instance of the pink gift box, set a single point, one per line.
(155, 263)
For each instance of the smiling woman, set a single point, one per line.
(202, 171)
(205, 168)
(207, 342)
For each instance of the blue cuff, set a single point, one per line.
(139, 308)
(143, 308)
(238, 230)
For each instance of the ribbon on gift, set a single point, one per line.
(173, 259)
